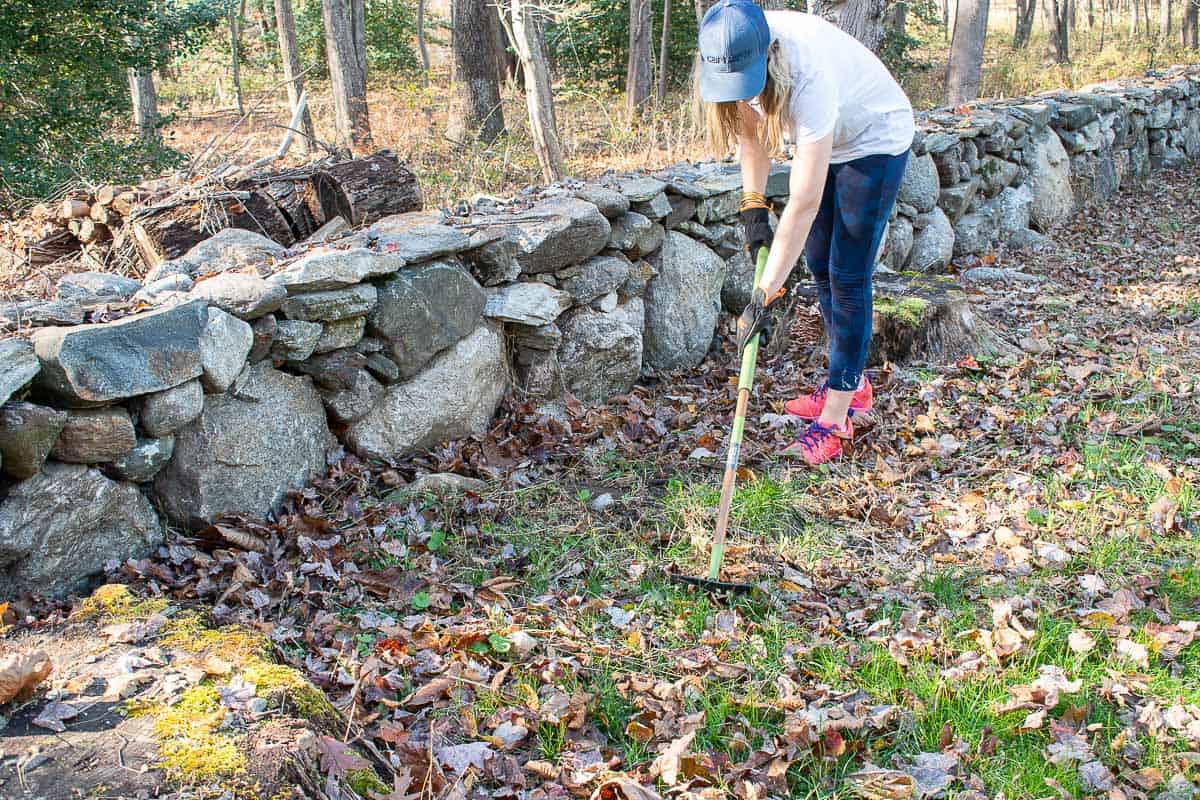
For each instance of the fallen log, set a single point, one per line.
(166, 232)
(51, 248)
(364, 190)
(73, 209)
(289, 197)
(105, 195)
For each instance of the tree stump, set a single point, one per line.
(923, 318)
(364, 190)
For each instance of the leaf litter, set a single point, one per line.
(429, 631)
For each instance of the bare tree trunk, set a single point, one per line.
(1134, 9)
(527, 38)
(702, 7)
(638, 76)
(507, 62)
(664, 62)
(235, 14)
(289, 54)
(895, 19)
(966, 52)
(1026, 10)
(862, 19)
(346, 49)
(475, 104)
(946, 19)
(1059, 33)
(1164, 21)
(145, 102)
(1191, 25)
(421, 37)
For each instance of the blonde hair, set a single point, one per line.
(725, 119)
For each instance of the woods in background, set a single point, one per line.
(93, 65)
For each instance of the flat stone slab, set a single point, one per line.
(18, 366)
(244, 296)
(96, 288)
(331, 305)
(553, 234)
(641, 188)
(531, 303)
(417, 236)
(336, 269)
(136, 355)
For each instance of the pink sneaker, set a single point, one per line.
(809, 407)
(820, 443)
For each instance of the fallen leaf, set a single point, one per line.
(1068, 746)
(1132, 651)
(1081, 641)
(622, 787)
(1147, 778)
(666, 766)
(932, 773)
(55, 712)
(1034, 720)
(1081, 372)
(462, 757)
(338, 758)
(20, 674)
(1095, 775)
(881, 784)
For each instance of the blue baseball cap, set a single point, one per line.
(734, 39)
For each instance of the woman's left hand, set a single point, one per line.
(757, 318)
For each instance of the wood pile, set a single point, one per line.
(132, 229)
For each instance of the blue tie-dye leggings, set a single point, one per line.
(841, 251)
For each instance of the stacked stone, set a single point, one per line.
(247, 363)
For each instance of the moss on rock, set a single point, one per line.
(114, 601)
(192, 746)
(196, 746)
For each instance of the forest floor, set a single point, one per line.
(996, 593)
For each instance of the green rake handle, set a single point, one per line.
(745, 381)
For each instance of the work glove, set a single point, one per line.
(758, 318)
(756, 226)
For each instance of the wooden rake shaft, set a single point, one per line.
(745, 381)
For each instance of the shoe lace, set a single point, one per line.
(820, 392)
(813, 437)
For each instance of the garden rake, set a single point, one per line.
(745, 381)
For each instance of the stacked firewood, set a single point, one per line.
(81, 224)
(131, 230)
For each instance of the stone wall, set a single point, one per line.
(227, 377)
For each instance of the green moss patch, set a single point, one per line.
(908, 310)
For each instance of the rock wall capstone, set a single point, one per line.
(228, 376)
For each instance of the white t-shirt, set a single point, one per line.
(841, 86)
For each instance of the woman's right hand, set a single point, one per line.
(756, 227)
